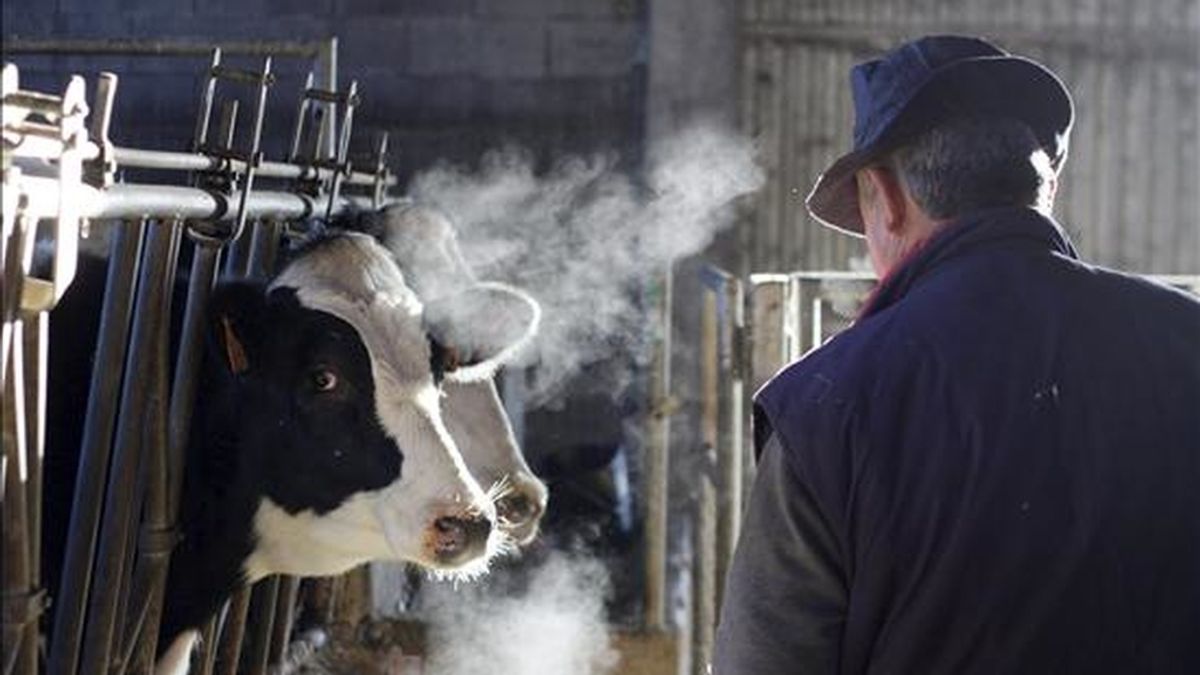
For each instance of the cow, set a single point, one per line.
(318, 440)
(425, 244)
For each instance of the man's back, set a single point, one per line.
(1007, 453)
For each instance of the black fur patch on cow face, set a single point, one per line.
(312, 414)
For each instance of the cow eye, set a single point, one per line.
(324, 380)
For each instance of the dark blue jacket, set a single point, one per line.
(995, 470)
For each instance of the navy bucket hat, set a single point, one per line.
(909, 89)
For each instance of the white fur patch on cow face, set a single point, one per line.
(308, 544)
(355, 280)
(481, 429)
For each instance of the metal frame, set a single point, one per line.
(136, 426)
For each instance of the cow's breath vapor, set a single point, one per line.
(585, 240)
(555, 626)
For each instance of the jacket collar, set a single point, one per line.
(968, 232)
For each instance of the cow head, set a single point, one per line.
(426, 246)
(343, 419)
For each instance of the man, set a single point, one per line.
(997, 468)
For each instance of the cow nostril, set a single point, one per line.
(516, 509)
(458, 536)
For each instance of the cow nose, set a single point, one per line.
(460, 539)
(516, 509)
(519, 513)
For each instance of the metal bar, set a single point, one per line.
(264, 247)
(160, 47)
(729, 427)
(157, 538)
(655, 472)
(327, 65)
(37, 352)
(237, 255)
(95, 449)
(204, 116)
(704, 577)
(285, 616)
(18, 587)
(301, 113)
(232, 632)
(262, 621)
(187, 365)
(151, 324)
(208, 645)
(186, 161)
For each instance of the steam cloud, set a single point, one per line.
(586, 241)
(556, 626)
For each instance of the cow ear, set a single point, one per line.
(481, 328)
(236, 313)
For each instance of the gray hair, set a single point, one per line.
(970, 163)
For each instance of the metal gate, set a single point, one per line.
(59, 179)
(749, 331)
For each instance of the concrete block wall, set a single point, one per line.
(448, 79)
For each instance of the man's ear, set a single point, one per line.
(881, 197)
(481, 328)
(236, 317)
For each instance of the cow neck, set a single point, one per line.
(218, 513)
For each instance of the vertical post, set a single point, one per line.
(704, 531)
(327, 66)
(18, 575)
(264, 247)
(96, 447)
(729, 425)
(150, 327)
(233, 631)
(656, 465)
(263, 603)
(285, 616)
(36, 327)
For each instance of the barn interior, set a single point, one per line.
(637, 166)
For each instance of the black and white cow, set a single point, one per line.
(425, 243)
(319, 440)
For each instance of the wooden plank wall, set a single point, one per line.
(1129, 193)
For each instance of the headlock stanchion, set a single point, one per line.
(44, 133)
(125, 500)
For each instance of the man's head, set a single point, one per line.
(945, 125)
(959, 166)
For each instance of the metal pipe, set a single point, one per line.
(264, 247)
(187, 161)
(18, 588)
(208, 645)
(262, 621)
(729, 427)
(285, 616)
(232, 632)
(95, 449)
(656, 463)
(187, 365)
(37, 352)
(157, 537)
(704, 576)
(204, 117)
(151, 324)
(327, 67)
